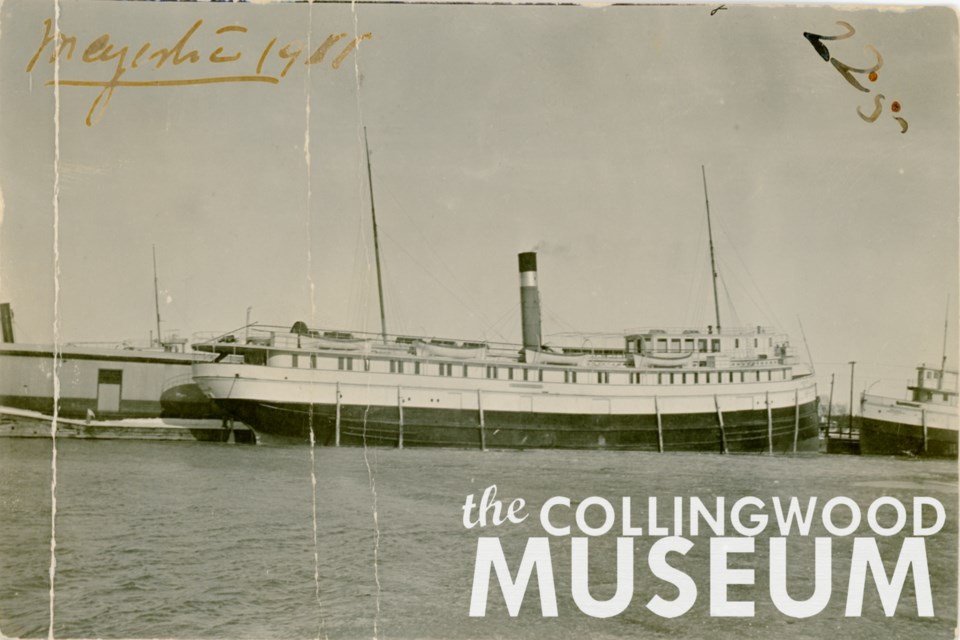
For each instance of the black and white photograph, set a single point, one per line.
(478, 320)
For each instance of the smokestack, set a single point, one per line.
(6, 321)
(529, 300)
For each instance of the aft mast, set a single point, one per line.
(156, 295)
(713, 264)
(376, 241)
(943, 360)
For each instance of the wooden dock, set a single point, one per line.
(840, 440)
(17, 423)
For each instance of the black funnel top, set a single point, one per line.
(528, 261)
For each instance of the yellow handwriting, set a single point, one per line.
(150, 59)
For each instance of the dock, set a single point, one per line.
(19, 423)
(838, 439)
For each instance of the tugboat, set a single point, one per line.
(925, 425)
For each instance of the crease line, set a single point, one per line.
(57, 358)
(366, 459)
(321, 622)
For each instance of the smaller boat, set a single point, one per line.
(451, 349)
(307, 338)
(662, 360)
(539, 356)
(925, 425)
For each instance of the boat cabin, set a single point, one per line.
(937, 386)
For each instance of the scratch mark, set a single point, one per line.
(321, 630)
(370, 475)
(57, 358)
(376, 523)
(316, 554)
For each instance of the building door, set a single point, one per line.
(109, 382)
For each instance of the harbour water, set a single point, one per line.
(193, 540)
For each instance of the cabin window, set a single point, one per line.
(603, 377)
(702, 345)
(294, 361)
(313, 361)
(366, 364)
(755, 343)
(445, 369)
(736, 343)
(741, 376)
(466, 371)
(671, 378)
(539, 375)
(492, 372)
(345, 364)
(661, 344)
(688, 344)
(396, 366)
(944, 397)
(416, 368)
(675, 345)
(569, 376)
(509, 373)
(769, 342)
(715, 345)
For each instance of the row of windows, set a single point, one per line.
(493, 372)
(709, 377)
(678, 345)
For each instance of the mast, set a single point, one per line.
(376, 241)
(156, 295)
(713, 264)
(943, 360)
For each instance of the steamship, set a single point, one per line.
(656, 390)
(924, 425)
(660, 390)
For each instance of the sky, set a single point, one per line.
(578, 132)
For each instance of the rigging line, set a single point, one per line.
(466, 305)
(510, 315)
(443, 268)
(432, 273)
(701, 280)
(416, 228)
(733, 310)
(764, 307)
(397, 313)
(553, 316)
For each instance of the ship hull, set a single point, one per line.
(742, 432)
(885, 438)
